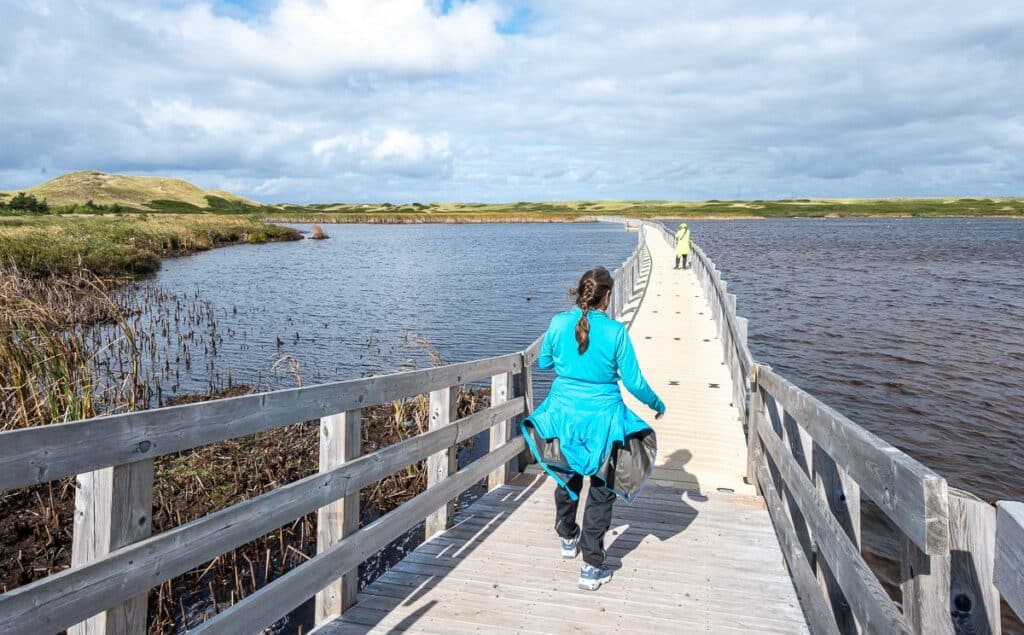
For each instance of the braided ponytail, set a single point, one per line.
(589, 293)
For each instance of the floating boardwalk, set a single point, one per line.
(696, 552)
(752, 522)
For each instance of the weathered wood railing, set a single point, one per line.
(1009, 556)
(116, 562)
(813, 467)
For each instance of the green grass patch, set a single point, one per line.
(124, 245)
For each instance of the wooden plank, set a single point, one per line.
(65, 598)
(444, 405)
(869, 602)
(275, 600)
(840, 495)
(502, 387)
(924, 584)
(45, 453)
(340, 442)
(755, 417)
(532, 351)
(1009, 565)
(813, 603)
(113, 508)
(913, 496)
(973, 597)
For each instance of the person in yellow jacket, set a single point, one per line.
(682, 245)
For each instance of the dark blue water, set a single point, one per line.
(911, 327)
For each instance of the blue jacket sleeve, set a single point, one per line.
(632, 378)
(546, 360)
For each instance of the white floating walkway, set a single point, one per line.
(695, 554)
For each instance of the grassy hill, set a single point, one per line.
(134, 193)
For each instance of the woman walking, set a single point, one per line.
(583, 428)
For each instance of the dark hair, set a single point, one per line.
(593, 286)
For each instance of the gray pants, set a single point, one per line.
(597, 517)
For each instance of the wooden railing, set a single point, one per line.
(1009, 556)
(814, 466)
(115, 560)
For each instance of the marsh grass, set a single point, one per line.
(54, 368)
(122, 245)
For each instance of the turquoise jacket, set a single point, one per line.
(584, 410)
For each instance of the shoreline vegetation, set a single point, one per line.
(72, 347)
(583, 211)
(124, 244)
(120, 226)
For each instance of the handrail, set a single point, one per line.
(45, 453)
(812, 465)
(911, 495)
(66, 598)
(1009, 556)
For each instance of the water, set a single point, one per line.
(910, 327)
(360, 302)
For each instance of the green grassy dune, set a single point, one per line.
(96, 192)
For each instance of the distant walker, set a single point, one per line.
(683, 246)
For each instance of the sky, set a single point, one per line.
(447, 100)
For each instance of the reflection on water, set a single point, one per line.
(910, 327)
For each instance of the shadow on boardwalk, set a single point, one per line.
(660, 512)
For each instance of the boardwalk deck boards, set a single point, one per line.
(696, 552)
(500, 565)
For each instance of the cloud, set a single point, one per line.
(412, 100)
(309, 40)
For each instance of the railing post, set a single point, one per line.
(840, 495)
(924, 581)
(340, 441)
(443, 409)
(112, 509)
(502, 387)
(973, 597)
(754, 414)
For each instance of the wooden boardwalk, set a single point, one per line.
(696, 553)
(699, 552)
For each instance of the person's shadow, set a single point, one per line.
(661, 511)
